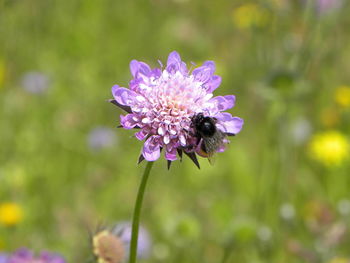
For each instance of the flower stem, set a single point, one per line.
(137, 213)
(227, 252)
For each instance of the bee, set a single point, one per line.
(209, 138)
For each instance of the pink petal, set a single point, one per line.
(202, 74)
(213, 83)
(127, 121)
(171, 154)
(139, 67)
(151, 149)
(210, 64)
(140, 135)
(223, 103)
(124, 96)
(174, 63)
(229, 124)
(173, 58)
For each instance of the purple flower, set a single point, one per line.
(114, 243)
(35, 82)
(100, 138)
(24, 255)
(324, 6)
(123, 231)
(3, 258)
(161, 104)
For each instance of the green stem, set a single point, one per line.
(227, 252)
(137, 213)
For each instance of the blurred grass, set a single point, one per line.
(280, 71)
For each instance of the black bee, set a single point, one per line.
(209, 136)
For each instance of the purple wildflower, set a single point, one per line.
(101, 137)
(324, 6)
(24, 255)
(3, 258)
(123, 231)
(161, 104)
(35, 82)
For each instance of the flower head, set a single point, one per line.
(342, 96)
(108, 247)
(3, 258)
(112, 245)
(10, 214)
(35, 82)
(287, 211)
(324, 6)
(100, 138)
(330, 148)
(161, 103)
(124, 229)
(249, 16)
(26, 256)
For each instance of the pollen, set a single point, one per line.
(10, 214)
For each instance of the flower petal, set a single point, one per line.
(210, 64)
(213, 83)
(202, 74)
(229, 124)
(128, 121)
(223, 103)
(124, 96)
(173, 58)
(171, 154)
(139, 67)
(141, 135)
(174, 63)
(151, 149)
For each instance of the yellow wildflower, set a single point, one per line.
(250, 15)
(10, 214)
(339, 260)
(342, 96)
(330, 148)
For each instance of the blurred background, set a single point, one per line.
(280, 193)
